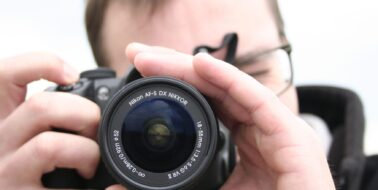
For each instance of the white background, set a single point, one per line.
(335, 42)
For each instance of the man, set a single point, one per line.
(277, 150)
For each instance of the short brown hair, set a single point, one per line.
(94, 16)
(95, 12)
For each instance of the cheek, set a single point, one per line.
(290, 99)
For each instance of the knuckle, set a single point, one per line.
(39, 103)
(52, 63)
(44, 146)
(51, 58)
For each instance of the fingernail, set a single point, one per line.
(139, 46)
(133, 48)
(70, 73)
(206, 56)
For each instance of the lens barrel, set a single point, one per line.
(158, 133)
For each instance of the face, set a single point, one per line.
(185, 24)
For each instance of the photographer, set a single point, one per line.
(253, 97)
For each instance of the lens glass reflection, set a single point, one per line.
(158, 135)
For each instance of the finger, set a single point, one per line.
(179, 65)
(17, 72)
(44, 111)
(116, 187)
(277, 131)
(24, 69)
(175, 65)
(267, 112)
(50, 150)
(134, 48)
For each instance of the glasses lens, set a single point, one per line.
(273, 70)
(158, 135)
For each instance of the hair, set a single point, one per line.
(94, 16)
(95, 13)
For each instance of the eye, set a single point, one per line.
(258, 67)
(272, 67)
(273, 70)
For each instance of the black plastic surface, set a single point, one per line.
(98, 73)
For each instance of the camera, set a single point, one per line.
(155, 133)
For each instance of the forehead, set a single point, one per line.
(185, 24)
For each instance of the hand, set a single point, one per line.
(28, 148)
(277, 150)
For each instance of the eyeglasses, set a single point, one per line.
(272, 68)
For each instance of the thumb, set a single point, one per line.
(116, 187)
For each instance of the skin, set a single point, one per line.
(277, 150)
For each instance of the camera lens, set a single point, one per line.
(158, 135)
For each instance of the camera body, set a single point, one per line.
(155, 133)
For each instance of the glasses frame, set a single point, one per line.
(230, 42)
(288, 49)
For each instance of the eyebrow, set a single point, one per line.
(249, 57)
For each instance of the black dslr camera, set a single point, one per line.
(155, 133)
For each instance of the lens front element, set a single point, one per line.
(158, 135)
